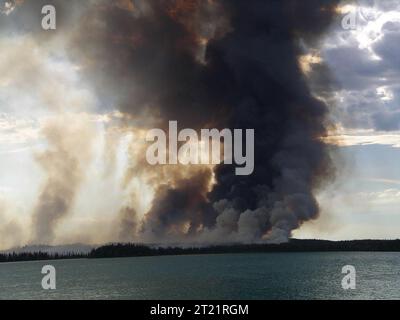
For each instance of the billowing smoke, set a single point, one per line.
(127, 224)
(219, 64)
(10, 229)
(206, 64)
(64, 164)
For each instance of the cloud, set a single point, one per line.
(366, 66)
(17, 131)
(384, 197)
(346, 138)
(385, 181)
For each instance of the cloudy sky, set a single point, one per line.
(362, 202)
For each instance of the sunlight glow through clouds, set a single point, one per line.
(346, 138)
(364, 202)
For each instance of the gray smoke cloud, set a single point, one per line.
(11, 230)
(248, 76)
(64, 163)
(206, 64)
(127, 224)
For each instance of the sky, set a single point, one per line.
(364, 201)
(42, 138)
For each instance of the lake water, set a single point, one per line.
(227, 276)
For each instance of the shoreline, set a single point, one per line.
(130, 250)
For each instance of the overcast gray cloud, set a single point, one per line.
(366, 65)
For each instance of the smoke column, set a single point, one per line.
(64, 163)
(220, 64)
(206, 64)
(269, 93)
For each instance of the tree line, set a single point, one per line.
(120, 250)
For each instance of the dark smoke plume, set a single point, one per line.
(269, 93)
(219, 64)
(206, 64)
